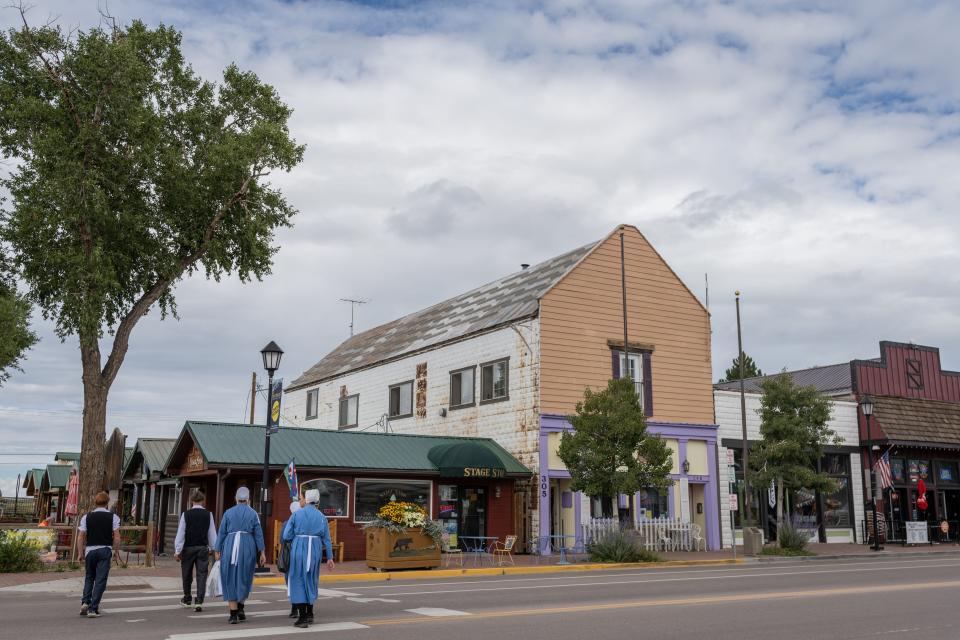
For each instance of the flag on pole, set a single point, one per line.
(882, 467)
(290, 473)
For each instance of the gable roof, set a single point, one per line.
(915, 421)
(66, 456)
(153, 451)
(240, 444)
(506, 300)
(31, 480)
(58, 475)
(832, 379)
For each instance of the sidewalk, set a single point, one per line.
(168, 570)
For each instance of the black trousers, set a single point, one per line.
(198, 557)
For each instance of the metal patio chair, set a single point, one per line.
(503, 551)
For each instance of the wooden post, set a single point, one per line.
(149, 554)
(253, 397)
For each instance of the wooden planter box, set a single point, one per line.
(409, 550)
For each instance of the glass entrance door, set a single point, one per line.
(473, 511)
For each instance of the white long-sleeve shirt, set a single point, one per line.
(83, 529)
(182, 532)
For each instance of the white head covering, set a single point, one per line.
(313, 496)
(243, 494)
(294, 507)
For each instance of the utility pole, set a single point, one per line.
(747, 515)
(353, 305)
(253, 397)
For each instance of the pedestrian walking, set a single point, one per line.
(239, 548)
(294, 507)
(309, 535)
(196, 538)
(99, 535)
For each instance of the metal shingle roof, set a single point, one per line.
(242, 444)
(918, 421)
(832, 379)
(58, 475)
(510, 298)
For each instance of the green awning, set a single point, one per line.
(467, 460)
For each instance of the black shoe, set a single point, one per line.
(241, 616)
(186, 602)
(309, 614)
(198, 607)
(301, 623)
(233, 618)
(293, 612)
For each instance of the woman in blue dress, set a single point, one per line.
(309, 535)
(239, 548)
(295, 506)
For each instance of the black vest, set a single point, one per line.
(99, 529)
(198, 524)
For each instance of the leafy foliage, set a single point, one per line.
(15, 334)
(609, 451)
(620, 546)
(750, 369)
(793, 430)
(17, 553)
(789, 537)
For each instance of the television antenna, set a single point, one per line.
(353, 305)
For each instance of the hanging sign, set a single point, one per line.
(273, 421)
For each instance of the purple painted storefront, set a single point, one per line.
(704, 484)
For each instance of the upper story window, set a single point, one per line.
(313, 401)
(401, 400)
(348, 411)
(637, 368)
(462, 387)
(914, 375)
(494, 381)
(632, 367)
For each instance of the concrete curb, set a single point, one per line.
(499, 571)
(886, 555)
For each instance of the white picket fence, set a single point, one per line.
(656, 534)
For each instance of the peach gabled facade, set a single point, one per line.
(581, 317)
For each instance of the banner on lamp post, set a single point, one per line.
(273, 419)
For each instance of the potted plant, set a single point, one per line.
(402, 536)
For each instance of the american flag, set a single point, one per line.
(882, 467)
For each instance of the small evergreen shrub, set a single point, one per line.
(17, 553)
(620, 546)
(791, 538)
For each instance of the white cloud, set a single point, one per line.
(804, 152)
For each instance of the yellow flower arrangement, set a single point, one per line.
(398, 516)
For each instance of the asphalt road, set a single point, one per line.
(907, 598)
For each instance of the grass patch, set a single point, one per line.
(780, 551)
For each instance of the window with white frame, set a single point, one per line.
(494, 381)
(401, 400)
(334, 496)
(173, 501)
(632, 368)
(462, 387)
(313, 402)
(348, 411)
(373, 493)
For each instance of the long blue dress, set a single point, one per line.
(306, 530)
(239, 542)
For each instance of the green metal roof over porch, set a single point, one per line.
(230, 444)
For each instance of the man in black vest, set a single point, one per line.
(196, 536)
(99, 536)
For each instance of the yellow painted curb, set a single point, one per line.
(498, 571)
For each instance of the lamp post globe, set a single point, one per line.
(271, 357)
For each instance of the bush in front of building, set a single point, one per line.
(17, 553)
(790, 538)
(619, 546)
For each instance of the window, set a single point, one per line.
(653, 504)
(494, 377)
(313, 400)
(947, 472)
(897, 470)
(914, 375)
(461, 388)
(632, 369)
(334, 496)
(173, 501)
(255, 496)
(401, 400)
(371, 494)
(348, 411)
(836, 505)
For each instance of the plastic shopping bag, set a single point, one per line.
(213, 581)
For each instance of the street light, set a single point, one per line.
(866, 407)
(271, 362)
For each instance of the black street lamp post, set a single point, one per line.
(271, 362)
(866, 406)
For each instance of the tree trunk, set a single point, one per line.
(779, 506)
(94, 425)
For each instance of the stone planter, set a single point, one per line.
(752, 541)
(411, 549)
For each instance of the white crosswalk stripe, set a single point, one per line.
(434, 612)
(260, 632)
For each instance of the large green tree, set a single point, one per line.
(15, 334)
(609, 451)
(750, 369)
(131, 173)
(794, 430)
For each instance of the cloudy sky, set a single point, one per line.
(804, 152)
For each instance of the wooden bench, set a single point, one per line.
(278, 531)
